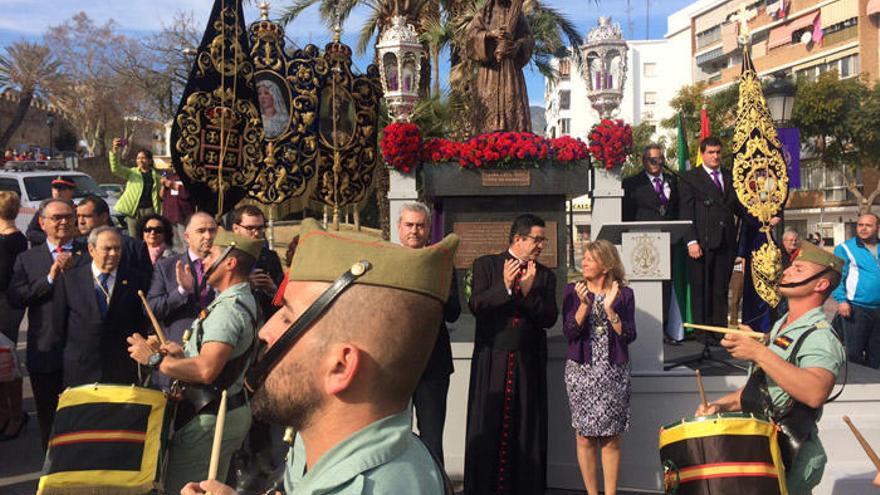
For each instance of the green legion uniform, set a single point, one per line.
(190, 449)
(384, 458)
(821, 349)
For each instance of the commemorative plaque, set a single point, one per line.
(506, 178)
(481, 238)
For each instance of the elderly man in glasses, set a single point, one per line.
(652, 195)
(32, 286)
(340, 368)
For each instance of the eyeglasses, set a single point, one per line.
(537, 239)
(154, 230)
(655, 160)
(60, 218)
(252, 228)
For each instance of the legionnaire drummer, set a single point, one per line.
(213, 359)
(793, 374)
(344, 355)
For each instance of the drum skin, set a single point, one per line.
(724, 454)
(106, 439)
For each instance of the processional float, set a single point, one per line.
(294, 127)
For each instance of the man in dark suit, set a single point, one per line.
(31, 287)
(96, 308)
(514, 301)
(178, 290)
(709, 201)
(429, 399)
(268, 273)
(62, 188)
(652, 195)
(92, 212)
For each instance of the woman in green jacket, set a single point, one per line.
(141, 195)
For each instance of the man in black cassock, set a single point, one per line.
(513, 299)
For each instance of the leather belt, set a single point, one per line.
(233, 402)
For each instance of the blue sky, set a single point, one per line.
(28, 19)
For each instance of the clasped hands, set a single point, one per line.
(526, 281)
(140, 349)
(580, 288)
(504, 43)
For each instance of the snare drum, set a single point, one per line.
(106, 439)
(723, 454)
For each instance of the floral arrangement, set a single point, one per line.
(497, 149)
(611, 142)
(401, 145)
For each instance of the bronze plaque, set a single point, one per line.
(506, 178)
(481, 238)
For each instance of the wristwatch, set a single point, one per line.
(155, 360)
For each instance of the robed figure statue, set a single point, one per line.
(500, 43)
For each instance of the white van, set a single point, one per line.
(33, 186)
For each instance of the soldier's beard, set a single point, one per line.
(288, 397)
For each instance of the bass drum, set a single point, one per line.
(723, 454)
(107, 439)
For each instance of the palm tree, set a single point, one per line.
(29, 69)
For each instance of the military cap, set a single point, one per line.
(814, 254)
(324, 256)
(61, 182)
(247, 245)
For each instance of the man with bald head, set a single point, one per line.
(179, 291)
(858, 297)
(343, 372)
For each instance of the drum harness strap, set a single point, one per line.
(795, 419)
(199, 398)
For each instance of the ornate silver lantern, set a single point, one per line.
(400, 64)
(605, 56)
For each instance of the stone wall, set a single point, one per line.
(33, 130)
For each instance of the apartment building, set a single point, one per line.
(650, 84)
(799, 38)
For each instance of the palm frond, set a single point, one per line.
(289, 14)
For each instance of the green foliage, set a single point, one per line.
(642, 136)
(720, 108)
(827, 111)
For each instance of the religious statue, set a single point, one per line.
(500, 43)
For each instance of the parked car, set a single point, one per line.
(112, 190)
(34, 186)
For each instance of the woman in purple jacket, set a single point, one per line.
(599, 325)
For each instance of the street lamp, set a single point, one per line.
(400, 54)
(779, 94)
(605, 55)
(50, 123)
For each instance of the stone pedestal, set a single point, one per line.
(607, 199)
(401, 190)
(480, 206)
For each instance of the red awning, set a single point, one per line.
(781, 35)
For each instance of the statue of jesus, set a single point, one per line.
(500, 43)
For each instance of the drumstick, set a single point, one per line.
(156, 327)
(868, 450)
(702, 390)
(710, 328)
(218, 438)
